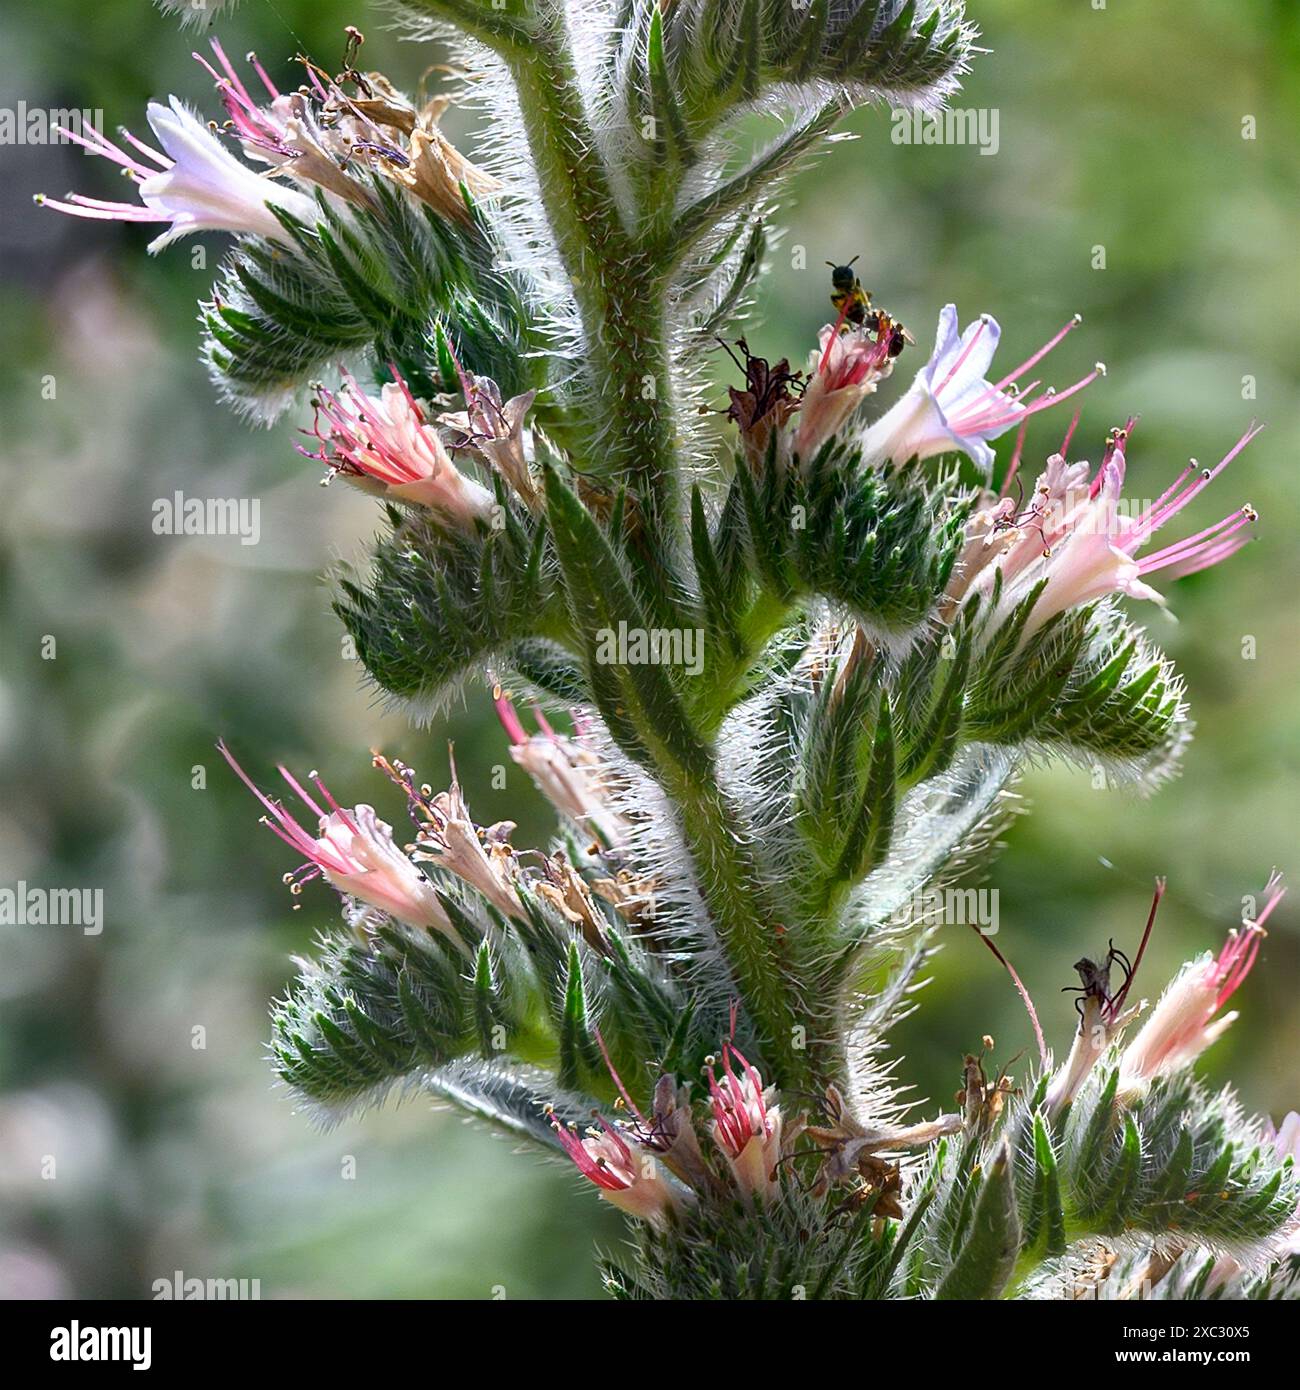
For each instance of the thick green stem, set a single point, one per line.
(754, 940)
(619, 293)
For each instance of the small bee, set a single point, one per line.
(847, 294)
(854, 306)
(887, 328)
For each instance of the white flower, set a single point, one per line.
(197, 185)
(207, 188)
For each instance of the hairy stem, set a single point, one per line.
(619, 293)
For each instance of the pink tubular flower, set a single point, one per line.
(950, 407)
(385, 444)
(566, 772)
(843, 372)
(1184, 1023)
(197, 186)
(354, 852)
(1076, 534)
(627, 1178)
(746, 1126)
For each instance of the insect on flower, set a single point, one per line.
(1102, 1014)
(847, 294)
(855, 309)
(1187, 1019)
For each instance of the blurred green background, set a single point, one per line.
(1119, 127)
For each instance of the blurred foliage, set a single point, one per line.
(1118, 127)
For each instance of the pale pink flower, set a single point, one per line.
(950, 407)
(1286, 1138)
(746, 1125)
(449, 838)
(627, 1177)
(354, 852)
(1076, 534)
(1187, 1019)
(385, 444)
(843, 372)
(196, 186)
(566, 772)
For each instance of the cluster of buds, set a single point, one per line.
(1284, 1140)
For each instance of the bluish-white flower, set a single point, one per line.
(197, 185)
(951, 407)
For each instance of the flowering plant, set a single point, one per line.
(801, 656)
